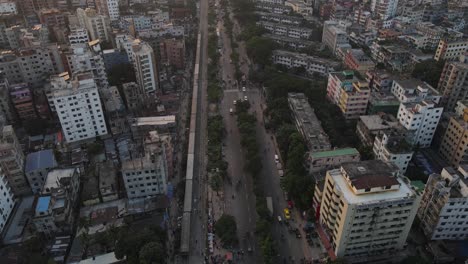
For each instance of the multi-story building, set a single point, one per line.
(414, 90)
(144, 62)
(420, 120)
(20, 37)
(444, 205)
(356, 59)
(384, 9)
(334, 36)
(330, 159)
(8, 7)
(7, 201)
(134, 95)
(369, 126)
(78, 35)
(450, 50)
(349, 93)
(391, 146)
(38, 164)
(279, 18)
(293, 43)
(6, 109)
(379, 80)
(22, 100)
(453, 84)
(172, 52)
(113, 57)
(108, 8)
(12, 161)
(87, 57)
(307, 123)
(454, 146)
(98, 26)
(273, 8)
(52, 17)
(23, 65)
(147, 176)
(367, 208)
(55, 207)
(286, 30)
(310, 63)
(77, 103)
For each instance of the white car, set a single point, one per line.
(234, 102)
(243, 89)
(245, 97)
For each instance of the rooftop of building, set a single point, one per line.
(43, 203)
(380, 178)
(297, 55)
(55, 177)
(40, 160)
(275, 24)
(378, 122)
(142, 163)
(334, 153)
(107, 175)
(397, 143)
(347, 75)
(370, 174)
(305, 115)
(289, 39)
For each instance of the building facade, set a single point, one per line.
(367, 210)
(453, 84)
(334, 36)
(98, 26)
(173, 52)
(310, 63)
(454, 146)
(444, 205)
(450, 50)
(331, 159)
(7, 201)
(38, 164)
(22, 100)
(78, 106)
(391, 146)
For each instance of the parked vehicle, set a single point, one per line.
(287, 214)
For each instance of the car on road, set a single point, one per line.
(231, 111)
(245, 97)
(234, 102)
(287, 214)
(276, 159)
(279, 219)
(243, 89)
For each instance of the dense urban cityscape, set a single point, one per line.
(233, 131)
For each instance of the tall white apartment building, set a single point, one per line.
(141, 55)
(420, 120)
(384, 9)
(87, 57)
(444, 205)
(450, 50)
(109, 8)
(391, 146)
(7, 201)
(147, 176)
(367, 209)
(334, 36)
(78, 106)
(98, 26)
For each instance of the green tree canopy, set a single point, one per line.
(260, 49)
(226, 229)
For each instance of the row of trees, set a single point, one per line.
(246, 123)
(217, 166)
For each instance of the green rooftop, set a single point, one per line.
(419, 185)
(334, 153)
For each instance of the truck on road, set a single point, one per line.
(269, 201)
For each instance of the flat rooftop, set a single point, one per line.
(308, 122)
(378, 122)
(370, 174)
(401, 193)
(154, 120)
(334, 153)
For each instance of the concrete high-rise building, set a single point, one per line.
(444, 205)
(391, 146)
(420, 120)
(384, 9)
(22, 100)
(173, 52)
(7, 201)
(88, 57)
(78, 106)
(5, 104)
(334, 36)
(144, 63)
(78, 35)
(367, 209)
(453, 84)
(98, 26)
(109, 8)
(147, 176)
(450, 50)
(454, 146)
(12, 161)
(349, 93)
